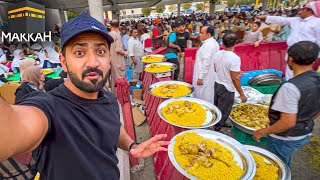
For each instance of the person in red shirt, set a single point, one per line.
(158, 34)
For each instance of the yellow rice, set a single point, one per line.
(219, 170)
(151, 59)
(195, 118)
(180, 91)
(265, 171)
(161, 68)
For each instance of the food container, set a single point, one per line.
(241, 155)
(47, 71)
(162, 74)
(152, 86)
(284, 171)
(241, 127)
(173, 66)
(158, 58)
(213, 114)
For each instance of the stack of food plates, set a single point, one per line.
(154, 58)
(208, 155)
(249, 117)
(47, 71)
(269, 166)
(171, 89)
(189, 113)
(265, 79)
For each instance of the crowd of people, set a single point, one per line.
(90, 57)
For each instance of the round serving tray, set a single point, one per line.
(241, 127)
(143, 59)
(213, 114)
(284, 171)
(154, 85)
(173, 67)
(241, 155)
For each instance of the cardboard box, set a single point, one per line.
(137, 94)
(133, 82)
(138, 116)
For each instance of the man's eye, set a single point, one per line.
(79, 53)
(100, 51)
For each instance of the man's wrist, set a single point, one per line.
(133, 144)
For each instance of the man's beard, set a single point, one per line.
(94, 86)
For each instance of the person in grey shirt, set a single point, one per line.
(295, 105)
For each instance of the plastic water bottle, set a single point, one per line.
(14, 70)
(59, 69)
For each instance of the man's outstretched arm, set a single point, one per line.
(22, 129)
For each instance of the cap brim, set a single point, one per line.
(105, 35)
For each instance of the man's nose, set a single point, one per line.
(92, 60)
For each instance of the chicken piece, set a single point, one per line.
(196, 161)
(202, 146)
(180, 112)
(187, 104)
(176, 106)
(164, 90)
(187, 148)
(170, 109)
(175, 86)
(188, 110)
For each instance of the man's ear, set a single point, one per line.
(289, 61)
(63, 62)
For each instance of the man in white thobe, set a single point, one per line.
(203, 73)
(302, 28)
(136, 52)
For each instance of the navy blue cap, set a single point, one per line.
(80, 24)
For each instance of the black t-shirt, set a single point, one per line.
(53, 83)
(182, 40)
(22, 91)
(82, 137)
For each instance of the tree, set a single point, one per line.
(160, 9)
(199, 6)
(172, 8)
(186, 6)
(146, 11)
(71, 14)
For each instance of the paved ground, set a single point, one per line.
(305, 163)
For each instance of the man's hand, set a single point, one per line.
(261, 17)
(150, 146)
(200, 82)
(258, 134)
(243, 98)
(10, 74)
(179, 49)
(256, 44)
